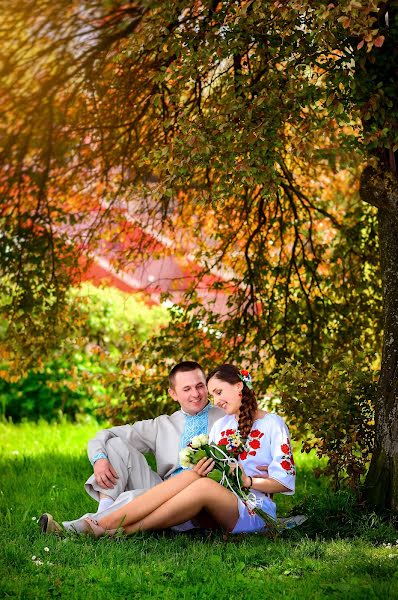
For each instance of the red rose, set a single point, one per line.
(255, 433)
(223, 433)
(223, 442)
(230, 431)
(244, 372)
(285, 464)
(253, 452)
(285, 449)
(243, 455)
(254, 444)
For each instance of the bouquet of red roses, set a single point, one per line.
(226, 470)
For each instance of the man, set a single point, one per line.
(117, 453)
(121, 471)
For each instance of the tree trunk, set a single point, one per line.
(381, 486)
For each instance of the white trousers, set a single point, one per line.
(135, 478)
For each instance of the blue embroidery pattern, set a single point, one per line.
(194, 425)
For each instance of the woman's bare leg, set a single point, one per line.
(204, 493)
(145, 504)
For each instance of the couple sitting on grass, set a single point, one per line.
(133, 498)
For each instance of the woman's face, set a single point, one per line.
(227, 396)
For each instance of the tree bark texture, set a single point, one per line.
(381, 486)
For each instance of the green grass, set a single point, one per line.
(339, 553)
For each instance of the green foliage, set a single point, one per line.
(243, 114)
(115, 321)
(331, 409)
(51, 393)
(80, 376)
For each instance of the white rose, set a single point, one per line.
(185, 454)
(185, 463)
(204, 438)
(196, 442)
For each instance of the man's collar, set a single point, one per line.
(202, 412)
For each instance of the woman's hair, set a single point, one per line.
(230, 374)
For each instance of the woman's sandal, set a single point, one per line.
(96, 530)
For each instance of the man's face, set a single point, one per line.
(190, 391)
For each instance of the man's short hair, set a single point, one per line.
(183, 367)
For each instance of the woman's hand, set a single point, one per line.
(204, 466)
(246, 480)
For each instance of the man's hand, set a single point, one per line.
(264, 472)
(105, 475)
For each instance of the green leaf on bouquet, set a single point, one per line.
(240, 475)
(198, 455)
(217, 453)
(215, 475)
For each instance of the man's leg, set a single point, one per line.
(132, 468)
(135, 478)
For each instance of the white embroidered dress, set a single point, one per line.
(268, 444)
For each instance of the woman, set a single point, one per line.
(187, 495)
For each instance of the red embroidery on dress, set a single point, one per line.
(252, 444)
(255, 433)
(287, 462)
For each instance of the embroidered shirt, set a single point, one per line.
(268, 444)
(194, 425)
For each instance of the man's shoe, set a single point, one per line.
(48, 524)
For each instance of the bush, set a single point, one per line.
(332, 411)
(80, 377)
(50, 393)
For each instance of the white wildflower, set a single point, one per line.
(34, 518)
(46, 549)
(37, 560)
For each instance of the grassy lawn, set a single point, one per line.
(339, 553)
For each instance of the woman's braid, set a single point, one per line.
(247, 411)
